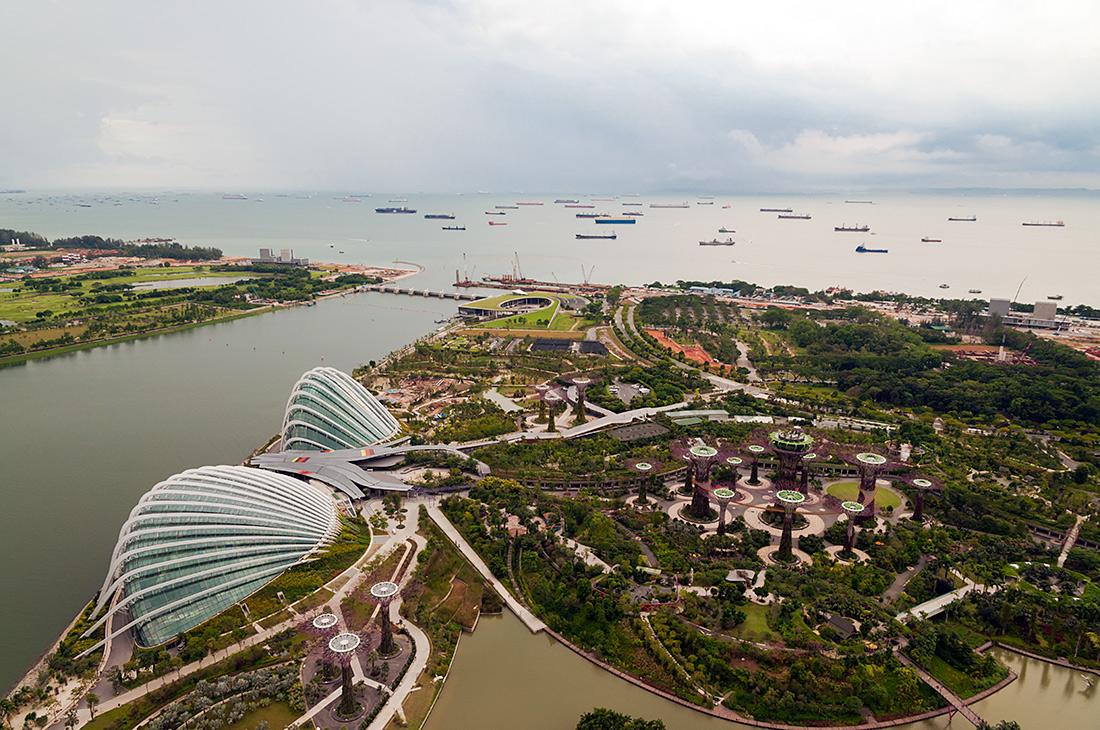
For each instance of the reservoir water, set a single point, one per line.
(85, 435)
(505, 676)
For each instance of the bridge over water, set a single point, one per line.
(957, 703)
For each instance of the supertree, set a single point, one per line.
(923, 487)
(807, 462)
(551, 398)
(702, 457)
(870, 464)
(789, 500)
(789, 447)
(581, 383)
(853, 509)
(325, 626)
(341, 649)
(724, 495)
(649, 469)
(755, 452)
(383, 594)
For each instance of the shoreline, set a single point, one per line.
(21, 358)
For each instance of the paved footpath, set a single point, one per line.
(529, 619)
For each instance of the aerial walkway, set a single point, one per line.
(958, 704)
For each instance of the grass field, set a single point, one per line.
(756, 622)
(849, 491)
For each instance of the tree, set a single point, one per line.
(604, 719)
(93, 702)
(1002, 725)
(71, 719)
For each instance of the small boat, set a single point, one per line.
(340, 252)
(1048, 224)
(716, 242)
(332, 245)
(497, 223)
(725, 206)
(926, 239)
(775, 210)
(852, 229)
(945, 286)
(723, 229)
(973, 291)
(586, 236)
(1055, 297)
(795, 216)
(704, 202)
(863, 249)
(967, 218)
(454, 228)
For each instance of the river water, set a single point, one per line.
(504, 676)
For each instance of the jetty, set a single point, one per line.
(390, 289)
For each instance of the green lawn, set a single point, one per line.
(756, 621)
(849, 491)
(277, 714)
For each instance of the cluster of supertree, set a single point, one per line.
(795, 451)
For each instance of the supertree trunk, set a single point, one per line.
(700, 503)
(348, 705)
(918, 506)
(387, 647)
(805, 488)
(850, 536)
(786, 553)
(754, 477)
(579, 413)
(689, 481)
(551, 425)
(721, 519)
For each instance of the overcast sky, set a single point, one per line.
(539, 96)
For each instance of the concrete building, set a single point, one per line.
(1000, 307)
(1045, 310)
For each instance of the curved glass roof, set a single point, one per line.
(329, 410)
(203, 539)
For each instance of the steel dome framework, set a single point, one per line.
(206, 538)
(329, 410)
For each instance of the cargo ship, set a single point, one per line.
(795, 216)
(716, 242)
(966, 218)
(635, 213)
(454, 228)
(775, 210)
(723, 229)
(593, 215)
(498, 223)
(625, 221)
(1048, 224)
(494, 212)
(236, 196)
(440, 216)
(669, 205)
(852, 229)
(926, 239)
(863, 249)
(632, 204)
(580, 205)
(532, 203)
(402, 209)
(506, 207)
(561, 200)
(586, 236)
